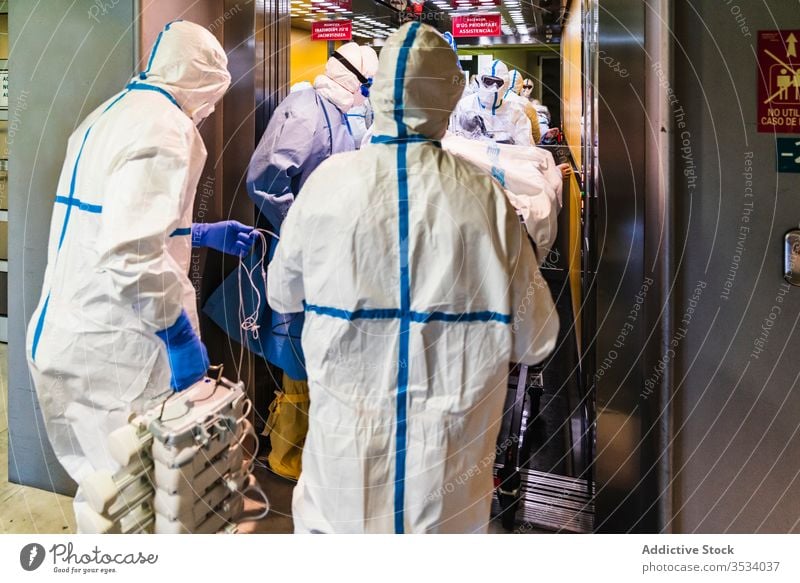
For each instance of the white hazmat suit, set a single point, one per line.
(120, 247)
(487, 114)
(531, 178)
(419, 286)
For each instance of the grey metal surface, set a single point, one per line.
(233, 157)
(620, 269)
(554, 502)
(65, 60)
(658, 415)
(737, 448)
(272, 46)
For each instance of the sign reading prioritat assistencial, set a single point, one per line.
(778, 79)
(471, 25)
(332, 30)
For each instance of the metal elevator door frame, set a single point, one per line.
(629, 259)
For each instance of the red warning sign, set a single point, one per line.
(779, 81)
(332, 30)
(467, 25)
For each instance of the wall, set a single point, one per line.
(737, 431)
(572, 81)
(307, 57)
(524, 59)
(66, 61)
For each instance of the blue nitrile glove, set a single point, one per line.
(231, 237)
(188, 359)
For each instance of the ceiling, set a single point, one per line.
(523, 21)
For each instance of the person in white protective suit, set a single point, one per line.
(527, 89)
(359, 118)
(307, 127)
(514, 95)
(487, 114)
(116, 327)
(419, 287)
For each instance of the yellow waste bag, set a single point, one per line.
(287, 426)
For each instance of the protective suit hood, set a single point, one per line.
(341, 86)
(188, 63)
(492, 98)
(419, 91)
(515, 82)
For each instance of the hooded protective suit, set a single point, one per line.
(119, 251)
(514, 95)
(306, 128)
(486, 114)
(419, 285)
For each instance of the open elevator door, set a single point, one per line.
(546, 446)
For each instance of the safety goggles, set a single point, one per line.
(366, 82)
(490, 81)
(527, 86)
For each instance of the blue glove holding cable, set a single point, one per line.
(188, 359)
(231, 237)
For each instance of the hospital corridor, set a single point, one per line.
(399, 267)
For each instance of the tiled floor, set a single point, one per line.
(26, 510)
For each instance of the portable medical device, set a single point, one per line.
(184, 467)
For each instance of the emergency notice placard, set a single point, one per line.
(778, 81)
(332, 30)
(467, 25)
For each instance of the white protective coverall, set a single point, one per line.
(503, 120)
(531, 178)
(514, 95)
(120, 247)
(419, 287)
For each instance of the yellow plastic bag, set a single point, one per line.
(287, 427)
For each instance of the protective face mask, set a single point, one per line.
(490, 98)
(526, 91)
(358, 98)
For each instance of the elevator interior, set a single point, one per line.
(545, 449)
